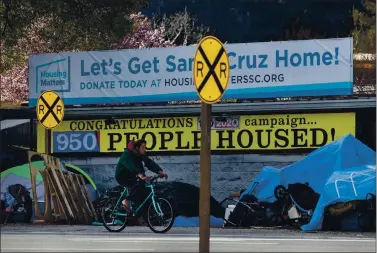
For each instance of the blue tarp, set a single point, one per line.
(182, 221)
(321, 169)
(342, 186)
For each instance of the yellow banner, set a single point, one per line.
(265, 132)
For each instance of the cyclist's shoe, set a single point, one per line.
(124, 209)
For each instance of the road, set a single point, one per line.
(97, 239)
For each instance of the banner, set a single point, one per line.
(237, 133)
(258, 70)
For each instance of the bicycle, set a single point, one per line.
(158, 205)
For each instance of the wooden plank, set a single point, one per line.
(76, 186)
(47, 215)
(58, 208)
(63, 195)
(87, 209)
(33, 179)
(75, 196)
(56, 202)
(72, 193)
(71, 201)
(94, 214)
(49, 161)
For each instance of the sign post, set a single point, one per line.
(211, 75)
(50, 113)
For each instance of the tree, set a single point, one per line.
(14, 86)
(14, 83)
(144, 35)
(72, 24)
(182, 28)
(364, 33)
(364, 42)
(14, 80)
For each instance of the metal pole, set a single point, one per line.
(48, 141)
(31, 135)
(205, 178)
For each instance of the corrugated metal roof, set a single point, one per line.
(8, 123)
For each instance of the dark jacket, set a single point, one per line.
(130, 164)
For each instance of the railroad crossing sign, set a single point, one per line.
(211, 70)
(50, 109)
(211, 75)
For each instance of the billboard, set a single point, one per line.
(235, 133)
(257, 70)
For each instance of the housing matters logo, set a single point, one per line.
(54, 75)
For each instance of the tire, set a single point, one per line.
(106, 208)
(278, 192)
(151, 210)
(98, 206)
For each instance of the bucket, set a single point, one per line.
(228, 210)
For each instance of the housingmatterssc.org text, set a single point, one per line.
(236, 79)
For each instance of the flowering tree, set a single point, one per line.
(14, 86)
(182, 28)
(144, 35)
(14, 73)
(14, 80)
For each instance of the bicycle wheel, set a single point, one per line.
(162, 219)
(112, 222)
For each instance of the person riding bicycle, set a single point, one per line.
(131, 168)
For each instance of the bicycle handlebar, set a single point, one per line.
(154, 178)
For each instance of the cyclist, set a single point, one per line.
(131, 168)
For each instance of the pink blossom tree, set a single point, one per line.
(13, 86)
(14, 81)
(144, 35)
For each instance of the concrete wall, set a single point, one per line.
(229, 172)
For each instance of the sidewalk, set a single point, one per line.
(99, 230)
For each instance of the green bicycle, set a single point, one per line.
(159, 211)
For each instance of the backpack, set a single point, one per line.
(304, 195)
(23, 201)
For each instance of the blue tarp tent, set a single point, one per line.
(342, 186)
(321, 168)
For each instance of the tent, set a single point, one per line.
(21, 175)
(342, 186)
(321, 168)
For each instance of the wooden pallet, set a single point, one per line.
(67, 190)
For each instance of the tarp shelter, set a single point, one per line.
(182, 221)
(21, 175)
(342, 186)
(336, 161)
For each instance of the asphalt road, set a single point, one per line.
(97, 239)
